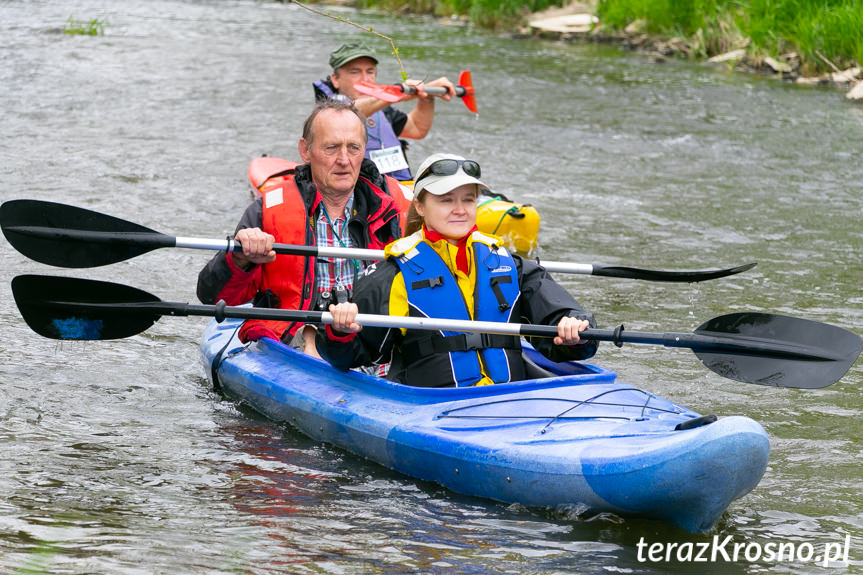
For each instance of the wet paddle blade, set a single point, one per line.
(665, 275)
(56, 307)
(807, 354)
(387, 93)
(71, 237)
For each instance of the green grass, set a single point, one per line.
(490, 14)
(816, 29)
(813, 28)
(94, 27)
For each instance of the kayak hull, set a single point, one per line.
(579, 439)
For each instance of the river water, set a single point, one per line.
(117, 457)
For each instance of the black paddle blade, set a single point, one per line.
(57, 307)
(667, 276)
(803, 354)
(71, 237)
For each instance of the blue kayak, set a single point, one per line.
(576, 437)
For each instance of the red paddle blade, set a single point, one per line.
(465, 82)
(389, 94)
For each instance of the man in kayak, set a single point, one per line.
(354, 62)
(336, 199)
(445, 268)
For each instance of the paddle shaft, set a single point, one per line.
(433, 90)
(696, 342)
(153, 240)
(760, 348)
(393, 93)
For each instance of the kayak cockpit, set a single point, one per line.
(222, 342)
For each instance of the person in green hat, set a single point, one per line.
(356, 61)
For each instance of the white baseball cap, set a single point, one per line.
(439, 185)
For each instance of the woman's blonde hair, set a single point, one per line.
(414, 221)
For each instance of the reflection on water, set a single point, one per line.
(117, 458)
(316, 504)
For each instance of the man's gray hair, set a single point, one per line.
(337, 104)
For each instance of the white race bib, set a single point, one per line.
(389, 159)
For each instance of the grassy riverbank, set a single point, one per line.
(825, 34)
(492, 14)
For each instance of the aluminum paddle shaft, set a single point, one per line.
(72, 237)
(761, 348)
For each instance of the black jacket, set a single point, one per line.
(542, 301)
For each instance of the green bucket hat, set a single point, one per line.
(350, 51)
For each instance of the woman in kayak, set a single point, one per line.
(445, 268)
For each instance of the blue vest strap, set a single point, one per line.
(497, 291)
(440, 301)
(433, 291)
(462, 342)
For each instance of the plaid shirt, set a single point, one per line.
(332, 272)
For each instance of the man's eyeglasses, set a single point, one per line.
(449, 167)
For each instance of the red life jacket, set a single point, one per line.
(267, 173)
(400, 201)
(292, 278)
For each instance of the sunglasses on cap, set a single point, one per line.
(448, 167)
